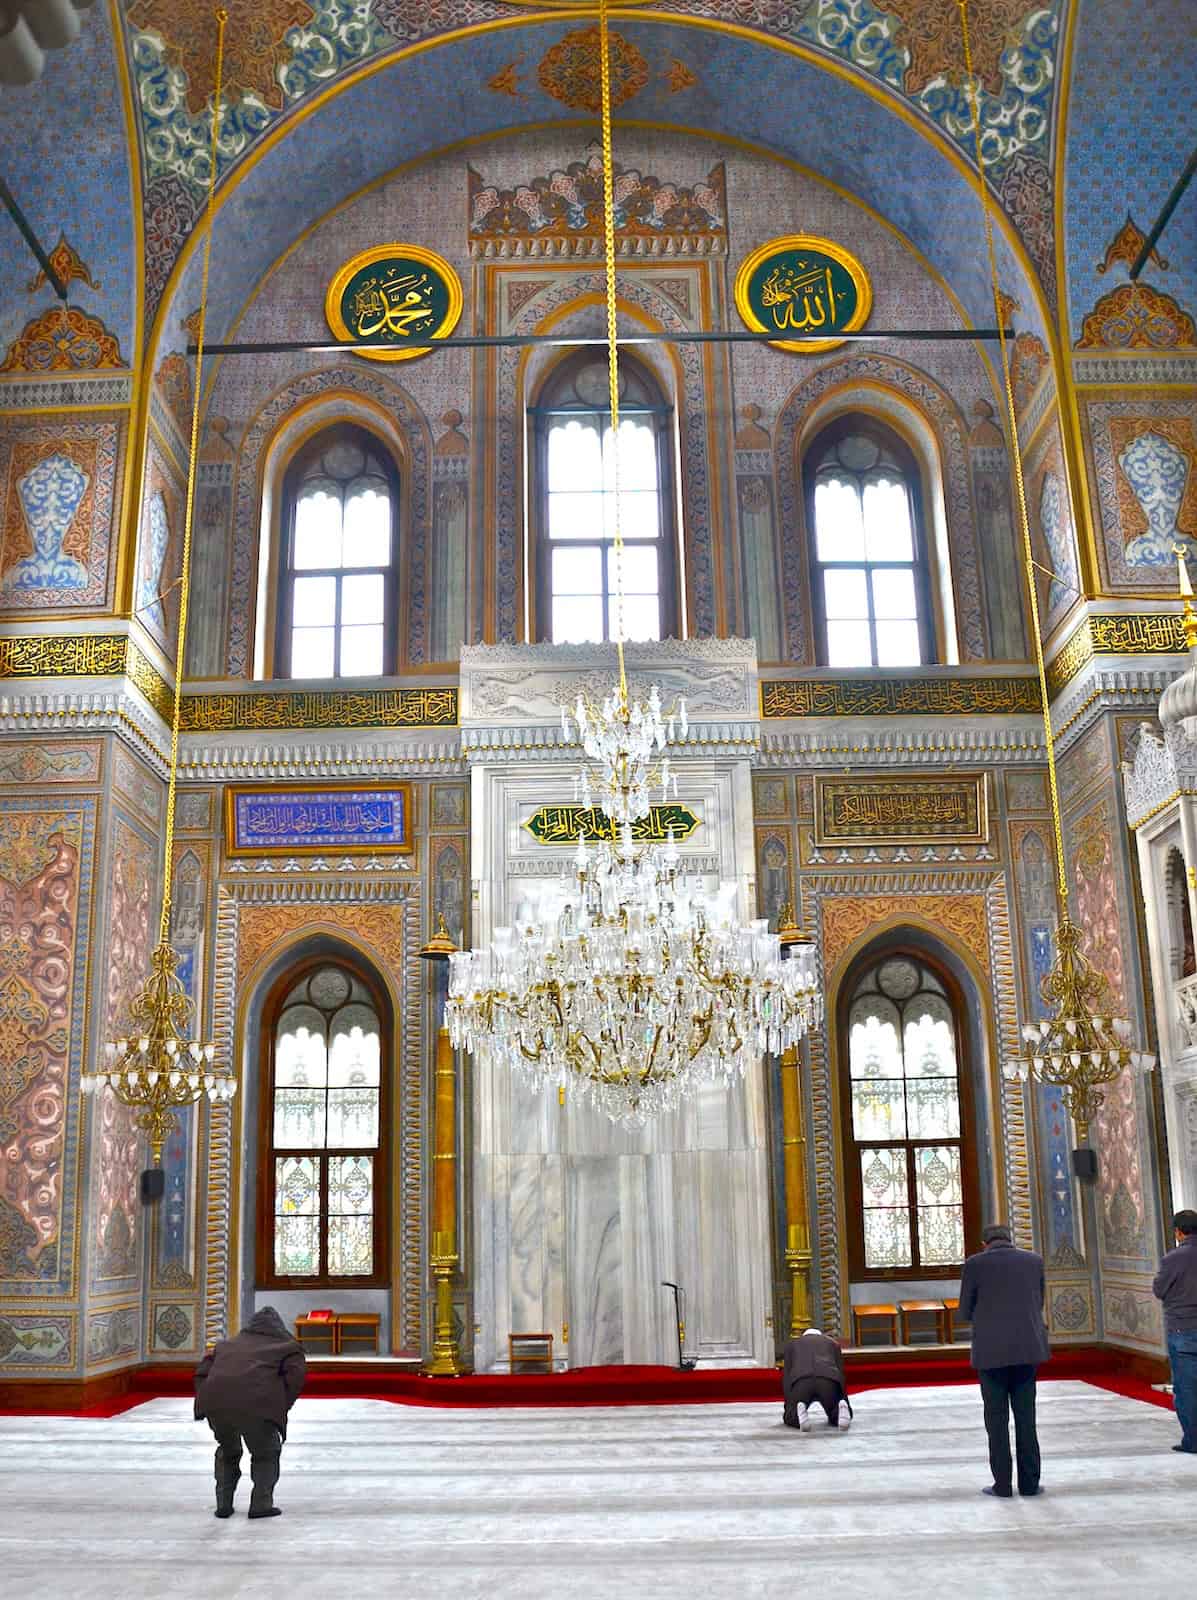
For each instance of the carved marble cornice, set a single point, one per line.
(93, 711)
(1162, 771)
(543, 742)
(1100, 689)
(376, 755)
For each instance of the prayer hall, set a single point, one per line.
(598, 798)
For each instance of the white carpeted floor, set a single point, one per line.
(691, 1502)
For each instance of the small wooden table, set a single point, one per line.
(530, 1352)
(316, 1325)
(358, 1327)
(950, 1308)
(912, 1308)
(860, 1313)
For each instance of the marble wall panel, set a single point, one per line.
(594, 1214)
(159, 545)
(113, 1335)
(48, 763)
(36, 1342)
(1053, 526)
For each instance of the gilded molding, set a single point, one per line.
(898, 697)
(85, 655)
(1141, 633)
(320, 708)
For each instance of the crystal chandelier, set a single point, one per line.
(1080, 1048)
(160, 1067)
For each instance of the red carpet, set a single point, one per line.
(618, 1386)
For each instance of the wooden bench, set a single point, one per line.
(952, 1331)
(530, 1352)
(930, 1308)
(863, 1313)
(358, 1327)
(317, 1325)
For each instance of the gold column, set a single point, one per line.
(445, 1361)
(793, 1144)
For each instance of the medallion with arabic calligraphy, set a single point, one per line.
(901, 810)
(399, 294)
(801, 284)
(295, 820)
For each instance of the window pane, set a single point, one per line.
(878, 1108)
(639, 569)
(637, 457)
(312, 652)
(361, 598)
(299, 1119)
(575, 455)
(350, 1247)
(893, 593)
(641, 616)
(350, 1186)
(845, 593)
(577, 621)
(317, 541)
(887, 1238)
(297, 1246)
(898, 644)
(578, 570)
(355, 1056)
(352, 1117)
(887, 520)
(874, 1050)
(839, 531)
(937, 1175)
(362, 651)
(639, 515)
(300, 1051)
(883, 1177)
(933, 1108)
(367, 525)
(941, 1235)
(296, 1186)
(314, 602)
(929, 1038)
(575, 515)
(849, 644)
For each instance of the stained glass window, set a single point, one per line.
(906, 1121)
(577, 452)
(338, 590)
(325, 1122)
(870, 578)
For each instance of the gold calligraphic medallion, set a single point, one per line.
(801, 284)
(399, 293)
(901, 810)
(561, 825)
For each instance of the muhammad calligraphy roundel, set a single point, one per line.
(801, 284)
(397, 293)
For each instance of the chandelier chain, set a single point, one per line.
(612, 335)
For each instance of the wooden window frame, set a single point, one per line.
(337, 432)
(970, 1190)
(266, 1276)
(856, 422)
(666, 543)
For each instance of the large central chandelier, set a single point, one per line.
(633, 987)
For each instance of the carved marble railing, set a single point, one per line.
(1184, 1013)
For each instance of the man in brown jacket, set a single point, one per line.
(245, 1387)
(813, 1369)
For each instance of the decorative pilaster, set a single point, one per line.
(445, 1361)
(793, 1142)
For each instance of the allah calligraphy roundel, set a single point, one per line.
(806, 286)
(398, 296)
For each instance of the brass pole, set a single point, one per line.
(793, 1143)
(445, 1361)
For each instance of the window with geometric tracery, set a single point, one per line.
(323, 1179)
(910, 1162)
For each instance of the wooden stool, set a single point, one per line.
(530, 1352)
(317, 1325)
(950, 1308)
(358, 1327)
(859, 1313)
(911, 1308)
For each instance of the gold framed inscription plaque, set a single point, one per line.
(870, 810)
(398, 293)
(803, 284)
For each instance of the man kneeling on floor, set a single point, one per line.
(245, 1388)
(814, 1370)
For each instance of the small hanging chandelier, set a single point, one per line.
(159, 1066)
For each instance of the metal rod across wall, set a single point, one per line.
(476, 341)
(31, 239)
(1161, 222)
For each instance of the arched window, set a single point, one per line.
(907, 1122)
(872, 597)
(575, 459)
(338, 592)
(323, 1179)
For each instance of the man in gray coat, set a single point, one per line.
(245, 1387)
(1001, 1294)
(813, 1369)
(1176, 1285)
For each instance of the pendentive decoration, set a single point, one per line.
(391, 300)
(635, 988)
(163, 1064)
(806, 287)
(1080, 1046)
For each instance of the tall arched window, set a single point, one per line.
(871, 592)
(338, 594)
(575, 460)
(323, 1177)
(907, 1122)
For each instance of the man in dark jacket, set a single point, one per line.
(245, 1387)
(813, 1369)
(1001, 1294)
(1176, 1285)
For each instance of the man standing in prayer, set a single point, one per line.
(813, 1370)
(1176, 1285)
(245, 1387)
(1001, 1294)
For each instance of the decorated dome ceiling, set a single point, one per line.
(325, 96)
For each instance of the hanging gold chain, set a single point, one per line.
(1020, 484)
(222, 18)
(612, 337)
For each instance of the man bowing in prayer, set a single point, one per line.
(813, 1370)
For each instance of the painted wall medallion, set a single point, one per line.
(801, 284)
(296, 821)
(398, 293)
(561, 824)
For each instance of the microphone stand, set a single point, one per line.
(682, 1364)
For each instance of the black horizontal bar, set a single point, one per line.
(1161, 222)
(492, 341)
(8, 199)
